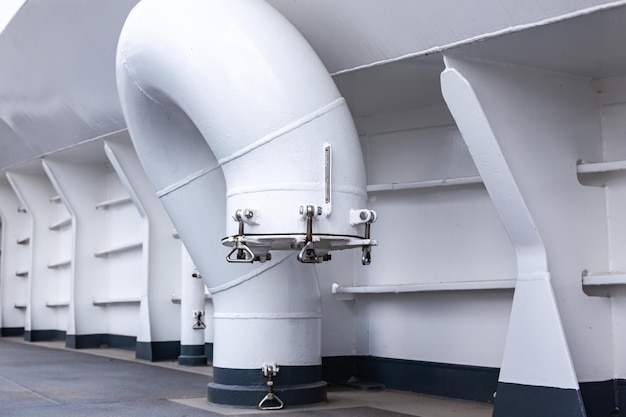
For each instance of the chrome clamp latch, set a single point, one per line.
(367, 217)
(198, 320)
(308, 255)
(242, 252)
(271, 400)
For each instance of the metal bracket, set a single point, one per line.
(271, 400)
(243, 252)
(313, 248)
(366, 258)
(308, 255)
(366, 217)
(199, 323)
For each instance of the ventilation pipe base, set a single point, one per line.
(295, 385)
(192, 355)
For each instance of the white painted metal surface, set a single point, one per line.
(15, 258)
(266, 108)
(192, 300)
(57, 76)
(552, 88)
(547, 186)
(549, 364)
(371, 32)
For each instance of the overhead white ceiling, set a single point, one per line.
(57, 76)
(348, 34)
(589, 45)
(57, 57)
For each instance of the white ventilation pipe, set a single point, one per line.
(236, 75)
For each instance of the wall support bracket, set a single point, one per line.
(536, 367)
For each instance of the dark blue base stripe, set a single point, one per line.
(43, 335)
(601, 399)
(12, 331)
(515, 400)
(157, 351)
(288, 375)
(446, 380)
(294, 385)
(192, 355)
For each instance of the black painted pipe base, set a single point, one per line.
(192, 355)
(294, 385)
(515, 400)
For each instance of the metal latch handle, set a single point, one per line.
(270, 371)
(244, 254)
(271, 397)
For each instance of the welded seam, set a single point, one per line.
(187, 180)
(482, 37)
(267, 316)
(247, 277)
(309, 186)
(283, 131)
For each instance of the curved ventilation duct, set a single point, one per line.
(236, 76)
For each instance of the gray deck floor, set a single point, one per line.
(45, 379)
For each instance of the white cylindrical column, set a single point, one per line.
(192, 300)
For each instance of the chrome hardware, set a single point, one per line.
(366, 258)
(270, 371)
(245, 215)
(312, 247)
(308, 255)
(367, 217)
(199, 323)
(327, 174)
(243, 252)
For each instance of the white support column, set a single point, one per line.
(49, 290)
(159, 331)
(192, 301)
(79, 186)
(525, 130)
(15, 262)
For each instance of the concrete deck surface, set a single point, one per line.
(46, 379)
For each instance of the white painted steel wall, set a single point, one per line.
(543, 123)
(124, 271)
(419, 233)
(161, 258)
(78, 185)
(15, 261)
(612, 110)
(34, 191)
(548, 121)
